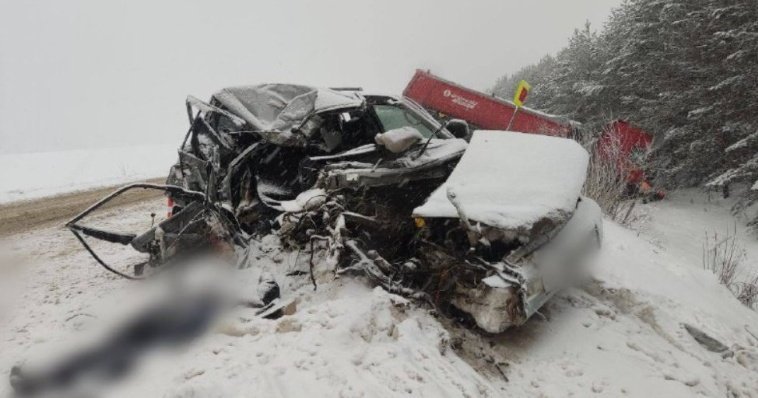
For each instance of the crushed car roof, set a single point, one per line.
(512, 180)
(280, 107)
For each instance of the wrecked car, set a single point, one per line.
(486, 226)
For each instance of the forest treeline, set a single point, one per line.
(685, 70)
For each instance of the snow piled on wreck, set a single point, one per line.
(511, 180)
(359, 342)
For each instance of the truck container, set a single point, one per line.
(482, 111)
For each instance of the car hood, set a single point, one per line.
(512, 181)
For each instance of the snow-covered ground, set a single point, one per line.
(621, 334)
(34, 175)
(680, 223)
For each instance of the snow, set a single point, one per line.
(743, 143)
(327, 99)
(279, 107)
(723, 178)
(619, 334)
(536, 177)
(34, 175)
(679, 224)
(437, 151)
(361, 342)
(699, 112)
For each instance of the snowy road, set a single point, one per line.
(619, 335)
(22, 216)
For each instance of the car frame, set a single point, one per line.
(350, 174)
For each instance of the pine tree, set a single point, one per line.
(686, 70)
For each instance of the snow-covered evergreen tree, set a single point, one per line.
(686, 70)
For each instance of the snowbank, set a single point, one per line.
(621, 334)
(359, 343)
(34, 175)
(679, 224)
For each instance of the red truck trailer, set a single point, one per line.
(626, 145)
(620, 142)
(481, 110)
(624, 142)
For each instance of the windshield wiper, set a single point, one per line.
(426, 144)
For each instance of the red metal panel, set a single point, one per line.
(623, 138)
(485, 111)
(616, 144)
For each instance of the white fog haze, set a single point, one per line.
(85, 74)
(379, 198)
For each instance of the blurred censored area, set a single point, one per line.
(164, 314)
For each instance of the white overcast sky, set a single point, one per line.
(77, 74)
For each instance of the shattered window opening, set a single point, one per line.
(395, 116)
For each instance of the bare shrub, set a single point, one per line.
(723, 256)
(747, 292)
(606, 181)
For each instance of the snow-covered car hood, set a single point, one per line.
(512, 180)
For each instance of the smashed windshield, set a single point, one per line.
(396, 116)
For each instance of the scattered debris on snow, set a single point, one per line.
(619, 335)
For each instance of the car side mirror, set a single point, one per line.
(459, 128)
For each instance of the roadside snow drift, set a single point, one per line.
(511, 180)
(33, 175)
(621, 335)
